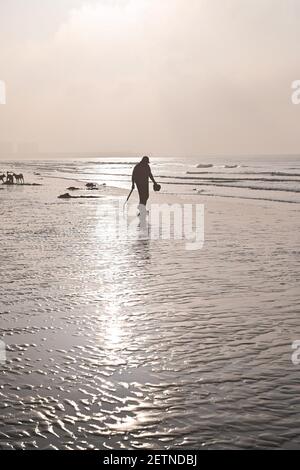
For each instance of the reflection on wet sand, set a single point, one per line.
(140, 343)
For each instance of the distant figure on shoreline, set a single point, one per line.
(140, 178)
(2, 178)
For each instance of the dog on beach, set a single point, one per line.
(9, 178)
(19, 178)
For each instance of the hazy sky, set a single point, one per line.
(163, 77)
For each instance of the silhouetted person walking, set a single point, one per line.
(140, 177)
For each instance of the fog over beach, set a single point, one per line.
(165, 77)
(149, 235)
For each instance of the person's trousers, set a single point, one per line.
(143, 193)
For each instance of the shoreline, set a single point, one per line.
(165, 197)
(117, 175)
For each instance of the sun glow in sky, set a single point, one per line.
(113, 13)
(165, 77)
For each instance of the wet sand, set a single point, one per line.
(141, 343)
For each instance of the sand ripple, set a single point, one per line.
(143, 344)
